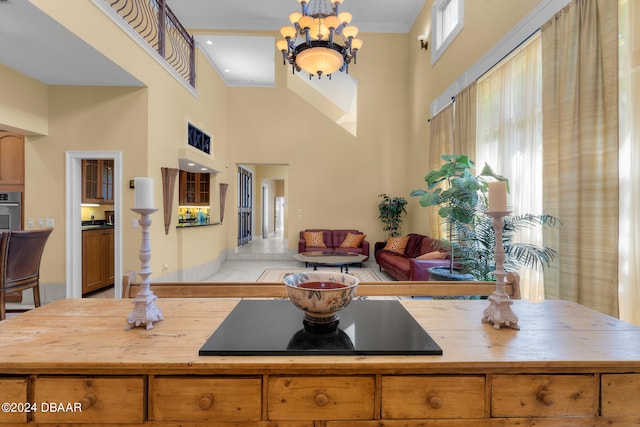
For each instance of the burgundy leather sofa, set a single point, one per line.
(332, 239)
(406, 266)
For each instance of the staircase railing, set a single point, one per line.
(158, 26)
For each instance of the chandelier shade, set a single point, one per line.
(319, 60)
(320, 40)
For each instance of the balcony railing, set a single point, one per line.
(159, 27)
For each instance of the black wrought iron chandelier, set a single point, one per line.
(319, 26)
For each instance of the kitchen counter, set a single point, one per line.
(95, 225)
(195, 225)
(567, 365)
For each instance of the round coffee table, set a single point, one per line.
(341, 259)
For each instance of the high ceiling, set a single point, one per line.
(36, 45)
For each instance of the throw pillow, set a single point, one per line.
(433, 255)
(314, 239)
(352, 240)
(396, 244)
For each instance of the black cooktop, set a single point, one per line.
(274, 328)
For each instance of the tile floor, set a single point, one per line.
(249, 261)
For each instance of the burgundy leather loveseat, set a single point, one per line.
(332, 239)
(407, 266)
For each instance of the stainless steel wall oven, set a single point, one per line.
(10, 211)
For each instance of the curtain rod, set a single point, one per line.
(453, 99)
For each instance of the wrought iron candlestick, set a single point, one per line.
(499, 311)
(144, 310)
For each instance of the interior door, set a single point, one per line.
(245, 208)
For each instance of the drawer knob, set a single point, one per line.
(544, 396)
(88, 401)
(321, 398)
(434, 401)
(206, 401)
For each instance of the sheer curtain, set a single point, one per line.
(580, 128)
(629, 89)
(452, 131)
(465, 111)
(509, 139)
(441, 142)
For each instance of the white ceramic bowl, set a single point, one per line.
(321, 295)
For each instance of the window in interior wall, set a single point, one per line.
(198, 139)
(509, 138)
(447, 21)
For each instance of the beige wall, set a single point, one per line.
(23, 104)
(333, 178)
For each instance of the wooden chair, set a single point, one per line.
(20, 255)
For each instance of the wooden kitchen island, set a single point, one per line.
(72, 362)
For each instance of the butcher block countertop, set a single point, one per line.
(565, 361)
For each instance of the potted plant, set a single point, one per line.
(477, 254)
(391, 210)
(455, 191)
(462, 201)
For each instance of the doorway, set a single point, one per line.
(265, 211)
(262, 207)
(245, 205)
(74, 220)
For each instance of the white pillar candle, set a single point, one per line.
(498, 196)
(144, 193)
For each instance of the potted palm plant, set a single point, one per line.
(462, 201)
(477, 254)
(391, 210)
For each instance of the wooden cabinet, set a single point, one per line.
(12, 176)
(89, 399)
(544, 396)
(620, 395)
(338, 400)
(97, 259)
(97, 181)
(16, 406)
(11, 160)
(194, 188)
(321, 398)
(430, 397)
(206, 399)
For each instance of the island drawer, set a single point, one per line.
(405, 397)
(90, 399)
(206, 399)
(620, 394)
(321, 398)
(13, 395)
(543, 395)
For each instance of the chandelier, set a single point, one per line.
(319, 26)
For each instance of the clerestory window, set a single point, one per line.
(447, 22)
